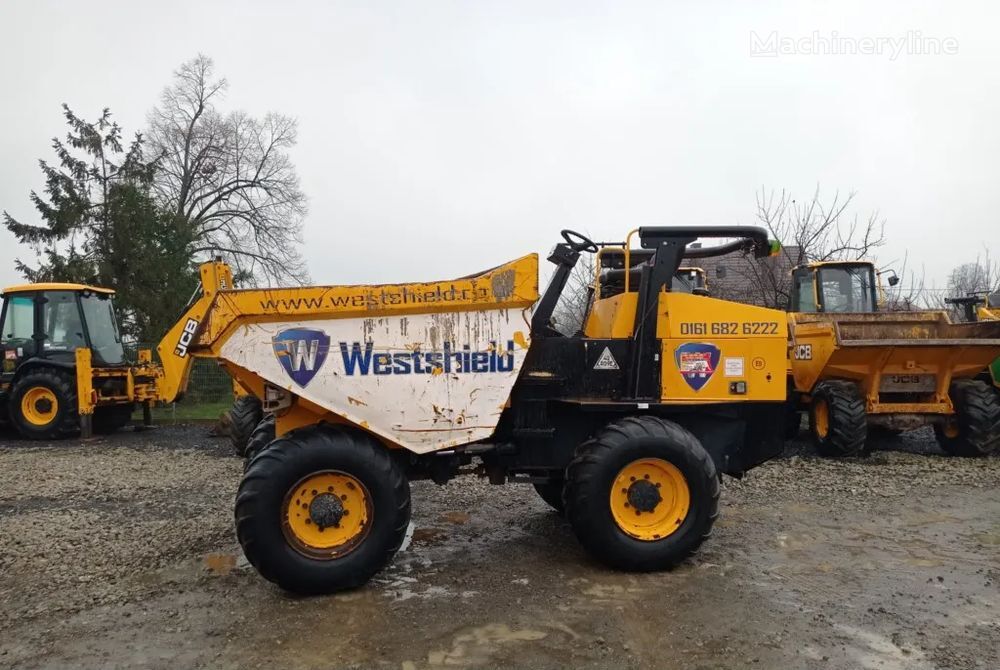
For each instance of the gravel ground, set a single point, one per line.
(120, 552)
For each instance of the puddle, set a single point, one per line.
(476, 646)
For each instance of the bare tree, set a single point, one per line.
(229, 175)
(809, 231)
(571, 310)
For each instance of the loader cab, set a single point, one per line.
(850, 287)
(51, 321)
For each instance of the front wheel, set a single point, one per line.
(974, 429)
(322, 509)
(642, 495)
(837, 419)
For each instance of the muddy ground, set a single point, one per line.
(120, 552)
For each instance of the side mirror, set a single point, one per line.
(893, 280)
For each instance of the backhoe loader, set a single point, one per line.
(854, 365)
(983, 306)
(64, 369)
(626, 427)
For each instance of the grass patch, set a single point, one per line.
(189, 411)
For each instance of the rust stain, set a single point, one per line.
(519, 339)
(220, 564)
(437, 371)
(440, 430)
(355, 401)
(456, 517)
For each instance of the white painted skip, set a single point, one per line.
(426, 381)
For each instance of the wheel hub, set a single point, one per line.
(644, 496)
(649, 499)
(326, 510)
(44, 405)
(326, 514)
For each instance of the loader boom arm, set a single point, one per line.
(174, 348)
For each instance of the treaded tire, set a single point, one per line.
(62, 384)
(592, 473)
(111, 419)
(977, 417)
(261, 436)
(793, 424)
(552, 493)
(284, 463)
(243, 418)
(847, 419)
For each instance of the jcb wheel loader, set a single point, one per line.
(854, 367)
(63, 363)
(631, 423)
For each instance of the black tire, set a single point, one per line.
(261, 436)
(243, 418)
(793, 424)
(280, 467)
(108, 420)
(62, 385)
(976, 423)
(552, 493)
(591, 476)
(847, 421)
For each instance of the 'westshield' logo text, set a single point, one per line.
(301, 352)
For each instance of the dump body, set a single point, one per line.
(904, 362)
(424, 366)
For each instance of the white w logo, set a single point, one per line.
(303, 352)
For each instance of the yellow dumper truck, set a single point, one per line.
(854, 365)
(626, 426)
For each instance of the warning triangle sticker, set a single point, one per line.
(606, 361)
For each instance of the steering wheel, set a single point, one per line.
(578, 242)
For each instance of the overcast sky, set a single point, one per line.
(440, 138)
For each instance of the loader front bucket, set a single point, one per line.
(904, 362)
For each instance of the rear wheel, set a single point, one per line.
(974, 429)
(261, 436)
(43, 404)
(322, 509)
(242, 419)
(837, 419)
(552, 493)
(642, 495)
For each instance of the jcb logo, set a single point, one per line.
(803, 352)
(185, 339)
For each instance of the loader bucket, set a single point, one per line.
(903, 361)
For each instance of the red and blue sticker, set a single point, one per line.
(697, 362)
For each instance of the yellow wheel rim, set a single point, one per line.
(650, 499)
(39, 406)
(326, 514)
(822, 413)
